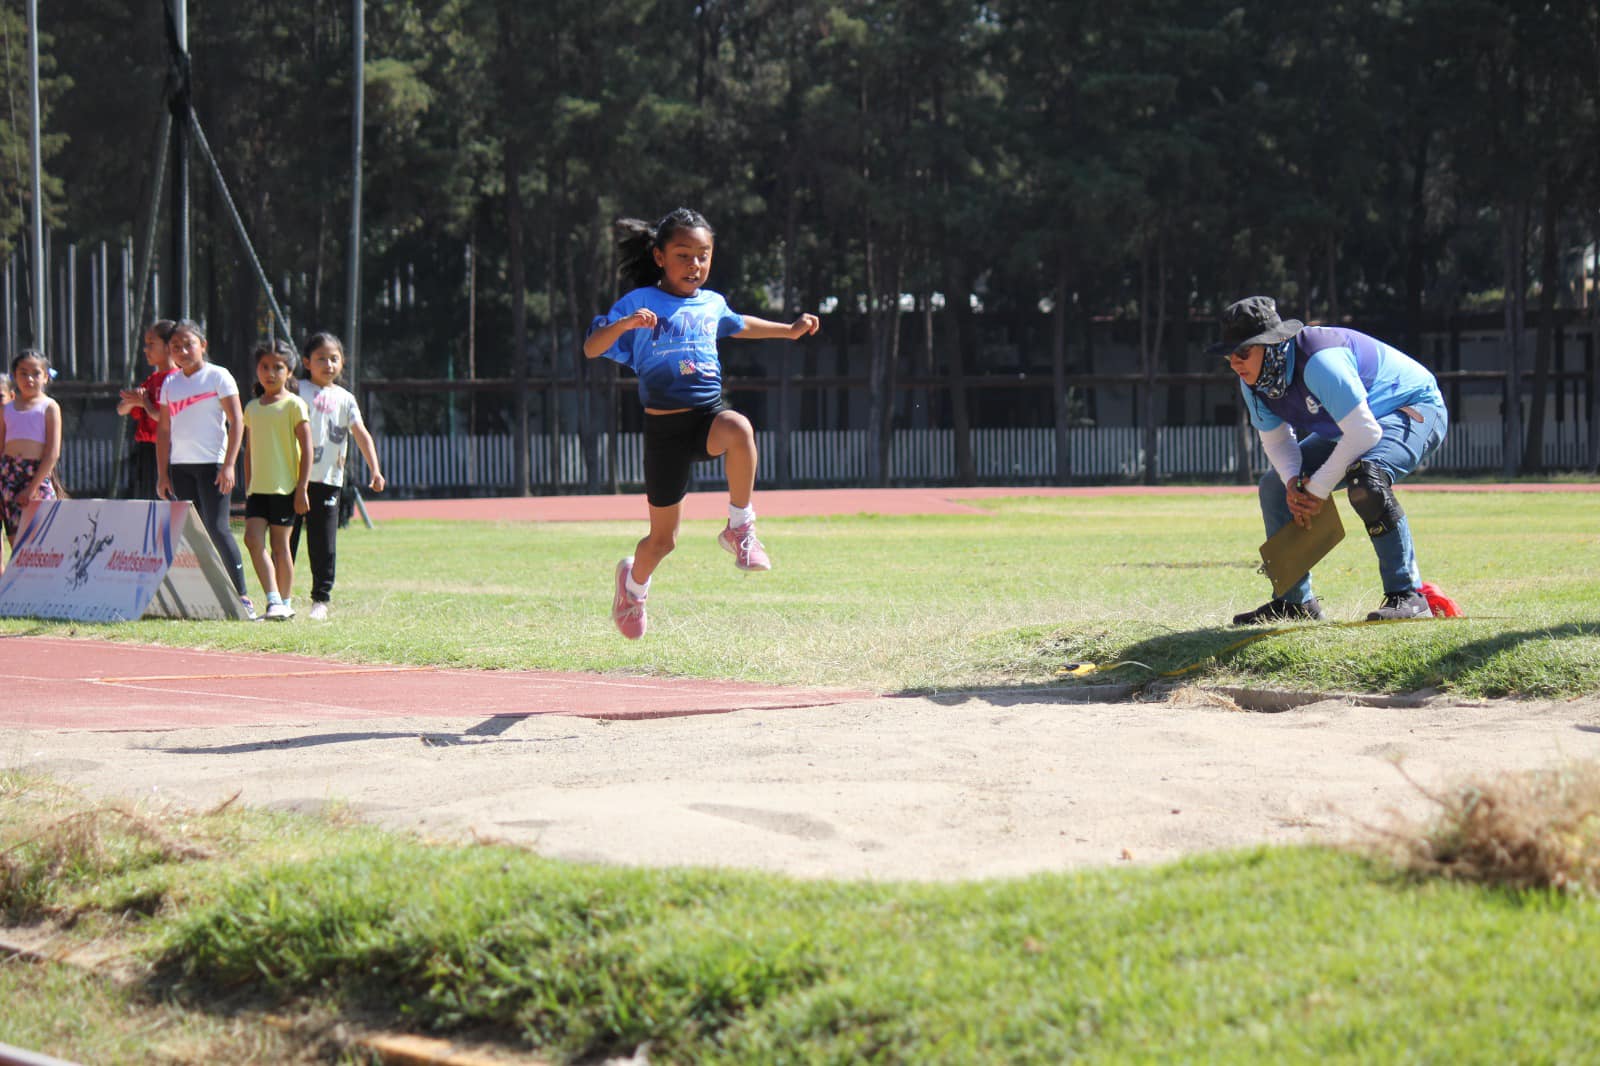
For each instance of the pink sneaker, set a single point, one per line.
(748, 554)
(627, 610)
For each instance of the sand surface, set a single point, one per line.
(964, 786)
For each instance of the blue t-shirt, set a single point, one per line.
(676, 362)
(1331, 370)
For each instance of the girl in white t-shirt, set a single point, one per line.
(335, 419)
(197, 444)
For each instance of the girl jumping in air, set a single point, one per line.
(666, 330)
(277, 468)
(197, 442)
(335, 420)
(30, 440)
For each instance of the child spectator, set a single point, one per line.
(197, 445)
(277, 467)
(142, 404)
(30, 440)
(335, 419)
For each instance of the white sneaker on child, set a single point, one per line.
(319, 611)
(279, 612)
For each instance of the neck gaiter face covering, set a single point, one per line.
(1273, 381)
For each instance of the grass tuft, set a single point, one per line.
(47, 849)
(1536, 829)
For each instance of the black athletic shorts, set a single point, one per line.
(672, 445)
(277, 509)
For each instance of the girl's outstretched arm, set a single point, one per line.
(759, 329)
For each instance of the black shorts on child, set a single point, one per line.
(276, 508)
(672, 445)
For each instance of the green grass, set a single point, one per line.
(1287, 955)
(1270, 956)
(99, 1021)
(943, 602)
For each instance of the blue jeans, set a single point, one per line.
(1404, 445)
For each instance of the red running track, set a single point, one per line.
(63, 684)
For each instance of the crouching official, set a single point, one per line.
(1335, 408)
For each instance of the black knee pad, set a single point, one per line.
(1372, 497)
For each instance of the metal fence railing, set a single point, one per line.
(439, 465)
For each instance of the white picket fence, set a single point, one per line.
(440, 465)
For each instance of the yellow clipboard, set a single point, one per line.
(1291, 552)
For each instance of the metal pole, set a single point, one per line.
(38, 193)
(62, 310)
(147, 287)
(238, 223)
(352, 323)
(91, 355)
(10, 304)
(180, 178)
(103, 355)
(69, 314)
(127, 306)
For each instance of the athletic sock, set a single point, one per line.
(741, 516)
(272, 598)
(636, 590)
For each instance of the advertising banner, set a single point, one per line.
(115, 561)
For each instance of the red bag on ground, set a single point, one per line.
(1443, 606)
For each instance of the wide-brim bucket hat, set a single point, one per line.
(1253, 320)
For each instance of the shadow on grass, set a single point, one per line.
(1192, 655)
(1424, 663)
(1432, 667)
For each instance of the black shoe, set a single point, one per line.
(1276, 610)
(1407, 604)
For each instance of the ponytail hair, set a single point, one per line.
(637, 239)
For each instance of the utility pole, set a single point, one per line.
(38, 193)
(178, 13)
(352, 322)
